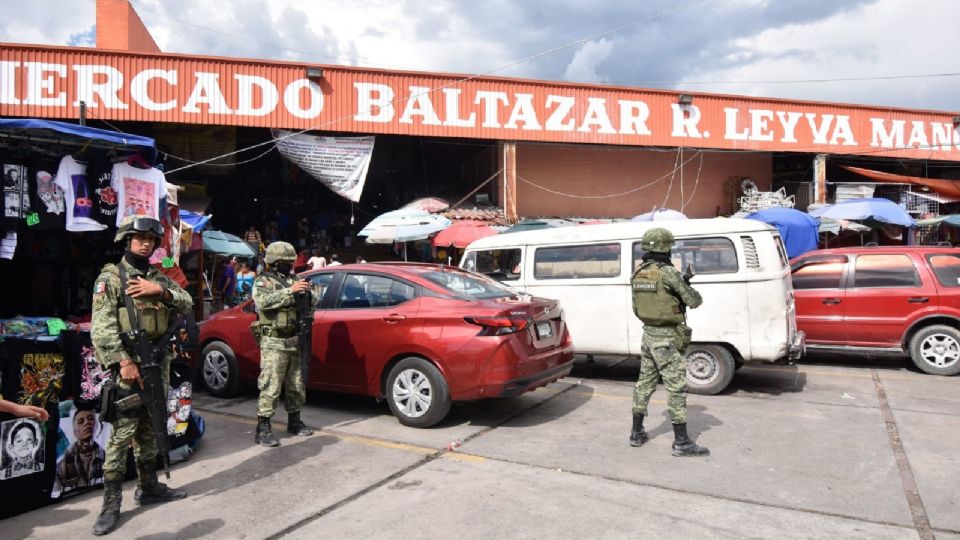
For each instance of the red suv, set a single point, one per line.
(420, 335)
(889, 299)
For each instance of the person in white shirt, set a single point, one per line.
(316, 263)
(334, 260)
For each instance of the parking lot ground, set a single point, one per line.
(828, 449)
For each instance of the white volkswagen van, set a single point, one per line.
(740, 266)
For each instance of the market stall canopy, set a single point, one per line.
(536, 224)
(661, 214)
(402, 216)
(943, 187)
(428, 204)
(461, 233)
(834, 226)
(952, 220)
(420, 229)
(797, 229)
(880, 210)
(51, 131)
(226, 244)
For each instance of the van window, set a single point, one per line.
(885, 271)
(946, 268)
(574, 262)
(782, 252)
(496, 263)
(708, 255)
(823, 272)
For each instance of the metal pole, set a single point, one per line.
(83, 113)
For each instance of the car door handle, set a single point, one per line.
(918, 300)
(831, 301)
(394, 318)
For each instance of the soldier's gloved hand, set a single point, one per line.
(300, 286)
(130, 373)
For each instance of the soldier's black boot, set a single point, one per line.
(637, 435)
(110, 511)
(264, 434)
(296, 426)
(683, 446)
(150, 490)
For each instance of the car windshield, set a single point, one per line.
(471, 286)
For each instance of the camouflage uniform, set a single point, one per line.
(280, 366)
(660, 298)
(279, 354)
(109, 319)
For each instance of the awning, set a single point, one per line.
(943, 187)
(953, 221)
(51, 131)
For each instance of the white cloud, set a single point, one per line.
(583, 66)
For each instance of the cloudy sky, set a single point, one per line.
(900, 53)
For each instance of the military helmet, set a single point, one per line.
(280, 251)
(658, 240)
(132, 225)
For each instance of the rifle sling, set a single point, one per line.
(134, 315)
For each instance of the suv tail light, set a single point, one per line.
(498, 326)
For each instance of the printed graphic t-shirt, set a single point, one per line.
(140, 191)
(16, 196)
(48, 200)
(78, 193)
(100, 173)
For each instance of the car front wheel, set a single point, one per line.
(710, 368)
(417, 393)
(221, 375)
(936, 350)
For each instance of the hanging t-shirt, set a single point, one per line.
(48, 199)
(140, 191)
(16, 195)
(72, 178)
(100, 173)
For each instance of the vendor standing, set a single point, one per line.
(153, 297)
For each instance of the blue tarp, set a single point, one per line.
(881, 210)
(77, 134)
(197, 221)
(798, 230)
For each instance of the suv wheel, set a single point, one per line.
(936, 350)
(417, 393)
(710, 368)
(221, 374)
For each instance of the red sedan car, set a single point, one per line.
(419, 335)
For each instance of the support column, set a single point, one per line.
(820, 179)
(510, 181)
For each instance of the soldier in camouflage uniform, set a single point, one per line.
(154, 296)
(660, 298)
(274, 293)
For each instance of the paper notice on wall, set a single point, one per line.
(341, 163)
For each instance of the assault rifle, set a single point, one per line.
(305, 332)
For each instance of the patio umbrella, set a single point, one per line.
(402, 216)
(407, 232)
(428, 204)
(797, 229)
(461, 233)
(879, 210)
(536, 224)
(661, 214)
(952, 220)
(225, 244)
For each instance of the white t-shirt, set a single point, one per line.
(139, 191)
(316, 262)
(78, 195)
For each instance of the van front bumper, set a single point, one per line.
(798, 347)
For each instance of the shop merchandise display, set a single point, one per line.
(81, 441)
(8, 245)
(78, 193)
(16, 195)
(48, 200)
(140, 191)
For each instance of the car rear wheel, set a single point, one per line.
(936, 350)
(417, 393)
(221, 375)
(710, 368)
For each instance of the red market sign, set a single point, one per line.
(50, 82)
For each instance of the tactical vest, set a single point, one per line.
(154, 314)
(283, 321)
(653, 304)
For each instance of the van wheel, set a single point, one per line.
(417, 393)
(936, 350)
(710, 369)
(221, 375)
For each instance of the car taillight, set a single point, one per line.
(498, 326)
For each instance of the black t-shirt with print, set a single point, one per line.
(100, 177)
(16, 194)
(47, 198)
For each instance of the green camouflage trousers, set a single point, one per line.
(136, 429)
(659, 357)
(280, 370)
